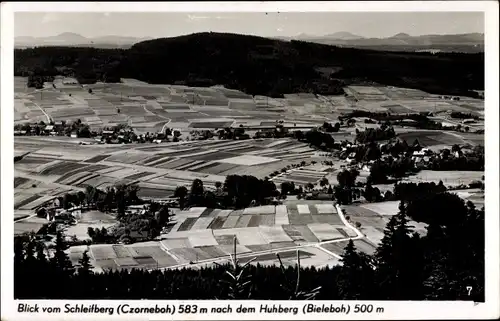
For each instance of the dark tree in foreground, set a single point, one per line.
(356, 279)
(181, 193)
(398, 270)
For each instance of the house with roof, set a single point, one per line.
(48, 129)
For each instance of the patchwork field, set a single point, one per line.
(145, 107)
(203, 235)
(156, 168)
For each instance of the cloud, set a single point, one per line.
(196, 18)
(223, 18)
(50, 17)
(191, 17)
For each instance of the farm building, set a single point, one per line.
(319, 196)
(107, 133)
(136, 209)
(48, 128)
(365, 168)
(422, 152)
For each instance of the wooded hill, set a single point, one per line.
(257, 65)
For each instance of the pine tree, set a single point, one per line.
(60, 261)
(398, 267)
(18, 252)
(355, 280)
(40, 254)
(85, 268)
(30, 249)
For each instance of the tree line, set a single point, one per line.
(237, 191)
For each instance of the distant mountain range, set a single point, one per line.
(400, 40)
(461, 42)
(74, 39)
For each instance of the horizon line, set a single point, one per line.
(245, 34)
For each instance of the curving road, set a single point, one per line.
(49, 119)
(161, 116)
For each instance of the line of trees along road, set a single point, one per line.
(406, 266)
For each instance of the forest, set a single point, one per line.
(255, 65)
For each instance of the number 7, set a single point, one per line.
(469, 289)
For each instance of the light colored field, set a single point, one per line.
(231, 222)
(153, 249)
(325, 232)
(245, 236)
(79, 249)
(267, 209)
(372, 234)
(176, 243)
(448, 177)
(248, 160)
(282, 215)
(202, 223)
(224, 213)
(303, 209)
(325, 208)
(249, 236)
(243, 221)
(274, 234)
(102, 252)
(203, 238)
(384, 208)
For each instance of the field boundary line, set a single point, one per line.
(327, 251)
(25, 218)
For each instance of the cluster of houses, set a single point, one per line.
(56, 129)
(456, 98)
(116, 135)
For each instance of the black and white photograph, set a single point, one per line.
(250, 155)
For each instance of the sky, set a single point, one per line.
(165, 24)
